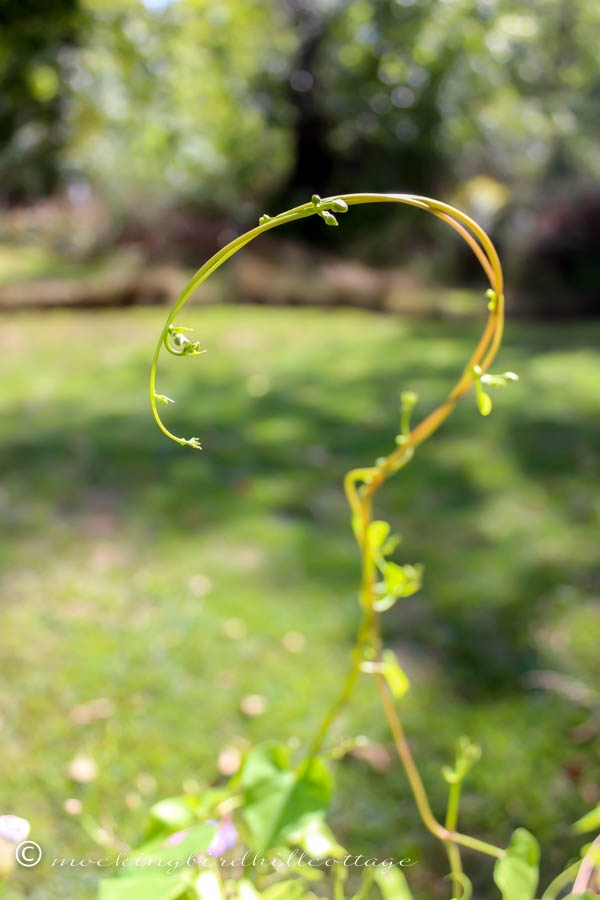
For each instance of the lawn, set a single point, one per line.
(168, 581)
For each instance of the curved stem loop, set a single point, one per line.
(361, 484)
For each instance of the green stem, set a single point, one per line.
(338, 885)
(368, 877)
(453, 804)
(452, 850)
(347, 690)
(456, 869)
(561, 881)
(474, 235)
(417, 787)
(360, 499)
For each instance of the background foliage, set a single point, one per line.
(236, 106)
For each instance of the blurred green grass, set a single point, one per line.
(124, 556)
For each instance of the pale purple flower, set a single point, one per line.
(224, 839)
(14, 829)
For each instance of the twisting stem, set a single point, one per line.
(360, 501)
(560, 882)
(347, 690)
(408, 762)
(469, 230)
(418, 790)
(371, 478)
(456, 869)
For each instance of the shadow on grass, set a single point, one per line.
(287, 457)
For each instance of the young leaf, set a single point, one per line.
(397, 681)
(484, 403)
(390, 545)
(377, 533)
(516, 873)
(589, 822)
(386, 602)
(402, 581)
(328, 217)
(409, 399)
(392, 884)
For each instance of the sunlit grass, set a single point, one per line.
(125, 559)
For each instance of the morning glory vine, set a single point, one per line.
(383, 581)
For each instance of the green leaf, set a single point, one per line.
(328, 217)
(377, 533)
(392, 884)
(263, 762)
(402, 581)
(390, 545)
(163, 853)
(397, 681)
(173, 812)
(589, 822)
(278, 801)
(484, 403)
(516, 873)
(150, 887)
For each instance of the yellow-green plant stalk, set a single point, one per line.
(383, 581)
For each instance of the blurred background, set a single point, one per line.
(162, 609)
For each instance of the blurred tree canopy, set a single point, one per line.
(33, 38)
(241, 106)
(181, 99)
(229, 100)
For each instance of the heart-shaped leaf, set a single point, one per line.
(516, 873)
(278, 800)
